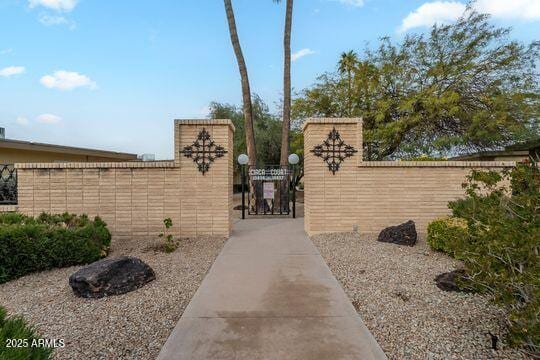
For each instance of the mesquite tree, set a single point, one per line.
(462, 87)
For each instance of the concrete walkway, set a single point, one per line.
(270, 295)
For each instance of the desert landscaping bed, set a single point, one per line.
(130, 326)
(393, 290)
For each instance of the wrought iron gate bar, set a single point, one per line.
(334, 151)
(257, 204)
(8, 185)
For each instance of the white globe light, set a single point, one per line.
(243, 159)
(294, 159)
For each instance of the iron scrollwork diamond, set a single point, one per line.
(334, 151)
(204, 151)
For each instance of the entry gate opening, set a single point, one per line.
(268, 191)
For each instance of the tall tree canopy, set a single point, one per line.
(462, 87)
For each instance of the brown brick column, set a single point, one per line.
(329, 195)
(207, 205)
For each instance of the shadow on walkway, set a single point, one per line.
(270, 295)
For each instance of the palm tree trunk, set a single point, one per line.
(246, 91)
(256, 200)
(286, 86)
(349, 72)
(286, 126)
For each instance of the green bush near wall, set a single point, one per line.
(16, 328)
(30, 244)
(448, 235)
(500, 244)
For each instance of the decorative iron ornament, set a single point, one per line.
(334, 151)
(8, 185)
(204, 151)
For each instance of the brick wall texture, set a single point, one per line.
(134, 197)
(8, 208)
(375, 195)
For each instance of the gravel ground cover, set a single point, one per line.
(129, 326)
(393, 290)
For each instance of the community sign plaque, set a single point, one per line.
(268, 189)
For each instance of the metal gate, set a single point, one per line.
(8, 185)
(269, 191)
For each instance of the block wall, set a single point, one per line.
(134, 197)
(8, 208)
(375, 195)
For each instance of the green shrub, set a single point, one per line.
(49, 241)
(16, 328)
(13, 218)
(448, 235)
(501, 253)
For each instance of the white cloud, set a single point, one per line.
(505, 9)
(437, 12)
(6, 51)
(445, 12)
(67, 80)
(12, 70)
(357, 3)
(22, 120)
(58, 5)
(48, 119)
(52, 20)
(301, 53)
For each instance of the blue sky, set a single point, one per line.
(114, 74)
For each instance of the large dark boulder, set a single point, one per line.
(449, 281)
(111, 277)
(404, 234)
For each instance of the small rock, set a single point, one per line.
(404, 234)
(447, 281)
(111, 277)
(402, 294)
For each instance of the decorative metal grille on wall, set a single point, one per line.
(204, 151)
(8, 185)
(334, 151)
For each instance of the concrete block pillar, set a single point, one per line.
(326, 189)
(210, 208)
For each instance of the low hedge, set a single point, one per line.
(18, 338)
(30, 244)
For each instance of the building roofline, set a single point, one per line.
(29, 145)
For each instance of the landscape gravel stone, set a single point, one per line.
(394, 291)
(129, 326)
